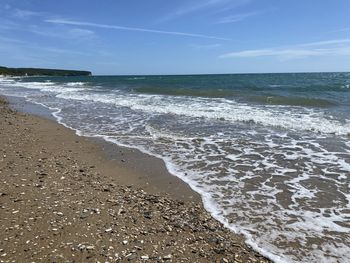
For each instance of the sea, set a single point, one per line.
(268, 153)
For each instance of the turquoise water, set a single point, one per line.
(300, 89)
(269, 153)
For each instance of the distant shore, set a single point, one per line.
(21, 72)
(66, 198)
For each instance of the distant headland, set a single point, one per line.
(41, 72)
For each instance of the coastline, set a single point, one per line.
(136, 168)
(68, 198)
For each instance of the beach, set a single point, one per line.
(266, 155)
(63, 199)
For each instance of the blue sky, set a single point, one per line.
(176, 37)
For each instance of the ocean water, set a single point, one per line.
(269, 153)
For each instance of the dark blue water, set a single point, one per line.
(269, 153)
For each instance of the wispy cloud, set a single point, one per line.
(205, 46)
(8, 24)
(236, 17)
(326, 42)
(241, 16)
(11, 40)
(31, 54)
(192, 7)
(214, 7)
(73, 33)
(288, 53)
(337, 47)
(341, 30)
(60, 51)
(81, 33)
(20, 13)
(125, 28)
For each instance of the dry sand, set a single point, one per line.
(64, 199)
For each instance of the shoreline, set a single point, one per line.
(64, 198)
(150, 173)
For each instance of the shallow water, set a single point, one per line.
(269, 153)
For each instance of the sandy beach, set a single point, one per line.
(65, 198)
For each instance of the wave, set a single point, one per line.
(243, 95)
(225, 110)
(295, 118)
(293, 101)
(210, 93)
(75, 84)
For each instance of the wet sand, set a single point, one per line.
(65, 198)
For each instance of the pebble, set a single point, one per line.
(90, 247)
(167, 257)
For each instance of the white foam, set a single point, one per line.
(273, 116)
(296, 118)
(74, 84)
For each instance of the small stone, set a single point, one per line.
(125, 242)
(145, 257)
(81, 247)
(167, 257)
(131, 257)
(90, 247)
(148, 215)
(83, 216)
(108, 230)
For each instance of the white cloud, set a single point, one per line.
(125, 28)
(11, 40)
(341, 30)
(205, 46)
(337, 47)
(25, 13)
(17, 47)
(61, 51)
(289, 53)
(242, 16)
(193, 7)
(8, 24)
(237, 17)
(199, 5)
(327, 42)
(73, 33)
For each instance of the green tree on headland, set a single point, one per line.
(41, 72)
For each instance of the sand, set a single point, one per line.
(65, 198)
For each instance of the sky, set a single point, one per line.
(119, 37)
